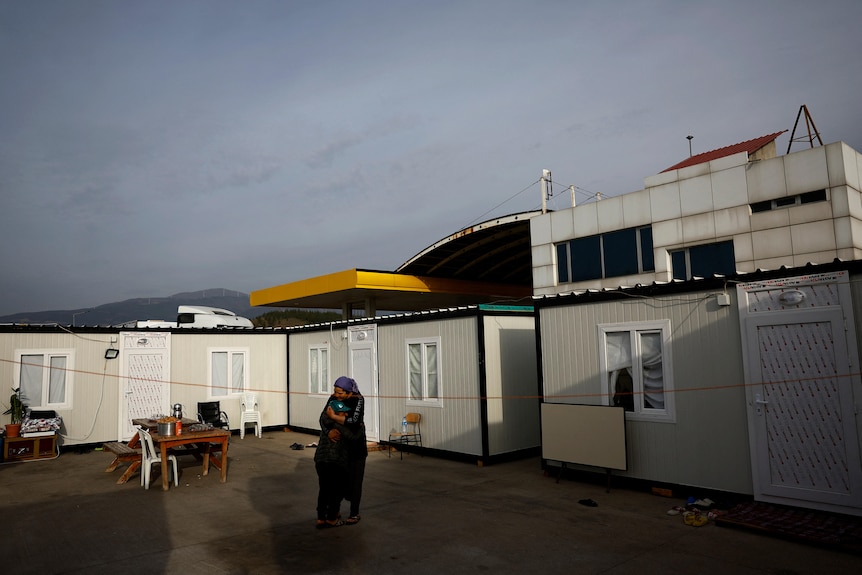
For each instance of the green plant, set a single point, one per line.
(16, 406)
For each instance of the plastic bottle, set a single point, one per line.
(404, 424)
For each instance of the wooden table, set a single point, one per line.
(204, 441)
(131, 452)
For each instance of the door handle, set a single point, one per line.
(758, 402)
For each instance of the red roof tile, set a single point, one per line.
(749, 146)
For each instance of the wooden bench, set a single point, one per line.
(123, 453)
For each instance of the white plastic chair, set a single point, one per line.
(249, 413)
(149, 456)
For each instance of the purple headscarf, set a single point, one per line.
(347, 384)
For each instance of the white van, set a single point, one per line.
(199, 316)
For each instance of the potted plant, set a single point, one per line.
(16, 411)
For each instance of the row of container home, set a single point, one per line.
(470, 373)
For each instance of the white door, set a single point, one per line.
(145, 370)
(800, 372)
(363, 369)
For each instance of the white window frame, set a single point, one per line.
(320, 387)
(47, 356)
(641, 412)
(230, 392)
(425, 401)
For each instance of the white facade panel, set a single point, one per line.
(729, 188)
(667, 233)
(540, 229)
(772, 243)
(698, 229)
(610, 213)
(806, 171)
(586, 220)
(562, 225)
(664, 202)
(841, 161)
(814, 237)
(728, 162)
(732, 221)
(636, 209)
(766, 180)
(695, 195)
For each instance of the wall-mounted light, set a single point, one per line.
(791, 297)
(111, 353)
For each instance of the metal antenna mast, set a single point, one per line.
(809, 124)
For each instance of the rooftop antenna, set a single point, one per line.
(689, 138)
(546, 189)
(809, 124)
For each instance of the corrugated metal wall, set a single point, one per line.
(305, 408)
(511, 384)
(708, 443)
(456, 424)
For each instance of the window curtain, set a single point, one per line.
(57, 380)
(415, 369)
(31, 379)
(431, 369)
(619, 357)
(219, 373)
(651, 365)
(238, 375)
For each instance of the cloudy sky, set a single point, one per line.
(150, 148)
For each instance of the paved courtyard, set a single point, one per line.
(419, 515)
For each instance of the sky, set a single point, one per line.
(152, 148)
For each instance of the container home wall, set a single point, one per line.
(511, 383)
(305, 406)
(265, 373)
(91, 414)
(706, 444)
(453, 423)
(91, 417)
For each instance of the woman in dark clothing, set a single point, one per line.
(330, 461)
(347, 391)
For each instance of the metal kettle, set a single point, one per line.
(178, 410)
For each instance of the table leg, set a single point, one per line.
(133, 466)
(165, 479)
(205, 466)
(224, 444)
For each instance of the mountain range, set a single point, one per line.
(164, 308)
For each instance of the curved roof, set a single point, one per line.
(486, 263)
(496, 251)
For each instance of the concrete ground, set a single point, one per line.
(419, 515)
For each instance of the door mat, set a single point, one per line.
(834, 530)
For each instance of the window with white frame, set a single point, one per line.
(318, 369)
(228, 369)
(45, 377)
(635, 365)
(423, 371)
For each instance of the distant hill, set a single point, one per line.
(164, 308)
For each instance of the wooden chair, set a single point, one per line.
(413, 435)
